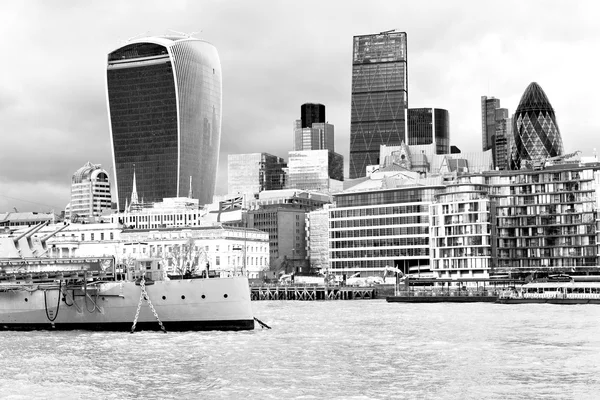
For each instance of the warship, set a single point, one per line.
(41, 292)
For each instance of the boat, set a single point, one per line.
(40, 292)
(554, 291)
(441, 290)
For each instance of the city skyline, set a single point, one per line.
(53, 105)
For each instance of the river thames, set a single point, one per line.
(324, 350)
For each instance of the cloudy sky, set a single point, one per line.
(276, 55)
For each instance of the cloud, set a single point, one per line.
(275, 56)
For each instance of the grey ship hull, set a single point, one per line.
(181, 305)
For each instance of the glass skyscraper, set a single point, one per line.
(379, 97)
(255, 172)
(536, 134)
(427, 126)
(164, 101)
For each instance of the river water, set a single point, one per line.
(324, 350)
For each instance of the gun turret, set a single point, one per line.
(27, 234)
(48, 236)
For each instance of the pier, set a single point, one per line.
(312, 293)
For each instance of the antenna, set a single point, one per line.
(177, 32)
(137, 36)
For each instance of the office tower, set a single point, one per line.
(379, 97)
(316, 170)
(429, 126)
(164, 101)
(314, 165)
(502, 144)
(90, 192)
(254, 173)
(535, 132)
(488, 121)
(312, 113)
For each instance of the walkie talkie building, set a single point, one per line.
(164, 102)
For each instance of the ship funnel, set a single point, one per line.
(48, 236)
(30, 232)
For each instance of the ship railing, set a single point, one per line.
(441, 292)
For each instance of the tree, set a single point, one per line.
(186, 258)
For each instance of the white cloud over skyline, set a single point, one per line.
(275, 56)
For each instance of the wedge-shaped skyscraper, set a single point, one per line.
(536, 134)
(164, 102)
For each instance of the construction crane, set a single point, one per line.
(544, 162)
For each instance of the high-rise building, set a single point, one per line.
(488, 121)
(315, 170)
(502, 143)
(312, 113)
(314, 165)
(318, 136)
(90, 192)
(535, 131)
(493, 121)
(379, 97)
(427, 126)
(254, 173)
(164, 101)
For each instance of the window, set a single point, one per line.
(92, 236)
(217, 260)
(102, 236)
(112, 236)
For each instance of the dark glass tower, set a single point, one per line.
(379, 97)
(428, 126)
(164, 101)
(536, 134)
(312, 113)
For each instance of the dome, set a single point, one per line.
(536, 133)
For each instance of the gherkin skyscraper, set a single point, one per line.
(536, 134)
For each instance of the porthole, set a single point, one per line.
(203, 296)
(26, 299)
(164, 297)
(225, 295)
(182, 297)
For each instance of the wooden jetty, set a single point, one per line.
(312, 293)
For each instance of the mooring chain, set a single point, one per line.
(144, 296)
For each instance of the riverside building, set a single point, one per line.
(164, 101)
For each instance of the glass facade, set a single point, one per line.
(255, 172)
(313, 169)
(318, 137)
(488, 121)
(427, 126)
(379, 97)
(369, 231)
(312, 113)
(164, 98)
(536, 134)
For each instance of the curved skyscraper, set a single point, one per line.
(536, 134)
(164, 102)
